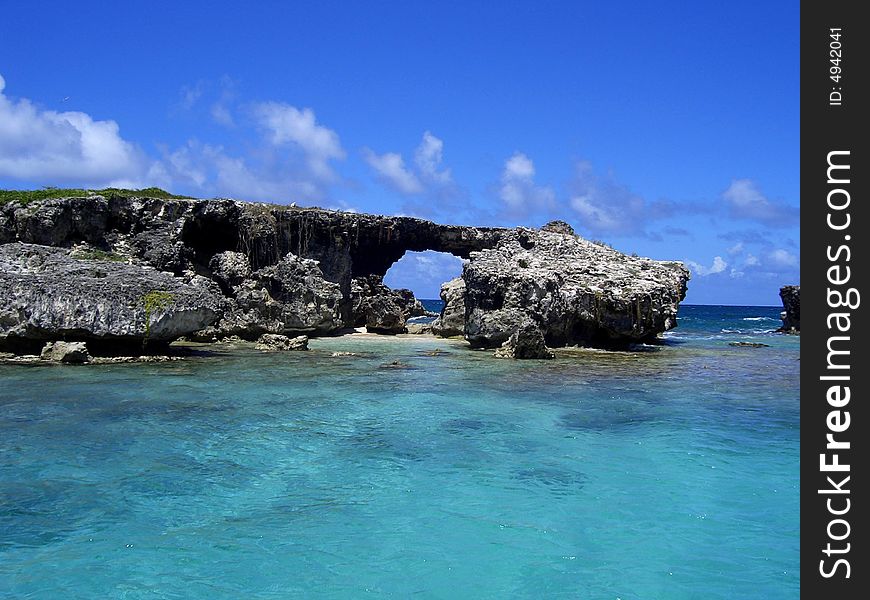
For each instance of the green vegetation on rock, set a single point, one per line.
(29, 196)
(96, 254)
(154, 301)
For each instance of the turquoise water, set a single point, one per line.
(670, 472)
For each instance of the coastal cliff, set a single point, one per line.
(120, 268)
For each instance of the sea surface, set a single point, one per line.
(667, 472)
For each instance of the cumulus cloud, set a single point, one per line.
(718, 266)
(736, 248)
(39, 145)
(390, 169)
(288, 126)
(745, 201)
(782, 258)
(425, 176)
(606, 206)
(428, 158)
(517, 189)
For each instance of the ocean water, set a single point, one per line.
(667, 472)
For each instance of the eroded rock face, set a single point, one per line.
(380, 308)
(282, 343)
(451, 321)
(288, 298)
(575, 291)
(288, 270)
(66, 352)
(791, 304)
(527, 342)
(47, 295)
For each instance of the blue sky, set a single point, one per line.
(669, 129)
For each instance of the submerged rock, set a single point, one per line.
(66, 352)
(575, 291)
(791, 314)
(748, 345)
(275, 342)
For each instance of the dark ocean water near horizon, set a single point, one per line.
(670, 471)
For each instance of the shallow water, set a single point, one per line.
(669, 472)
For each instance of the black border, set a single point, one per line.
(826, 128)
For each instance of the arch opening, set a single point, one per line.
(423, 273)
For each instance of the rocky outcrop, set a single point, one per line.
(127, 269)
(66, 352)
(451, 321)
(289, 298)
(575, 291)
(381, 309)
(527, 342)
(274, 342)
(791, 304)
(46, 295)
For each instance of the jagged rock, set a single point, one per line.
(66, 352)
(45, 295)
(791, 303)
(230, 268)
(575, 291)
(527, 342)
(290, 297)
(379, 308)
(451, 321)
(559, 227)
(748, 345)
(273, 342)
(418, 328)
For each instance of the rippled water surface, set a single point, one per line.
(669, 472)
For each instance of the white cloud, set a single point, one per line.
(517, 189)
(425, 176)
(428, 157)
(222, 115)
(751, 261)
(607, 206)
(782, 258)
(745, 201)
(45, 146)
(718, 266)
(287, 125)
(736, 248)
(390, 168)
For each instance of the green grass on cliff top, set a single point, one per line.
(29, 196)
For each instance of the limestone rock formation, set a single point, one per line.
(451, 321)
(66, 352)
(151, 269)
(380, 308)
(791, 303)
(575, 291)
(276, 342)
(527, 342)
(290, 297)
(46, 295)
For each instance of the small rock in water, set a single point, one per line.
(749, 344)
(277, 342)
(396, 364)
(66, 352)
